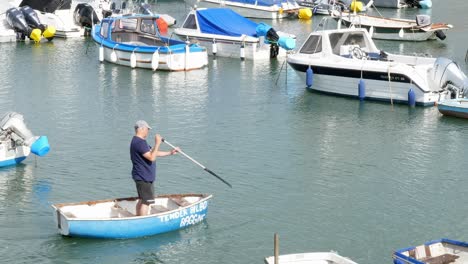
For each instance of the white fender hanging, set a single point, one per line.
(339, 24)
(242, 51)
(401, 34)
(113, 56)
(133, 60)
(155, 60)
(371, 31)
(214, 47)
(101, 53)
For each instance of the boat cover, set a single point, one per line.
(224, 21)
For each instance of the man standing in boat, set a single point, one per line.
(144, 164)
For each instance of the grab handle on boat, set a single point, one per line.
(198, 163)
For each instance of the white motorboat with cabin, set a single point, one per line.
(347, 62)
(266, 9)
(225, 33)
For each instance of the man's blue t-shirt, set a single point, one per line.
(143, 169)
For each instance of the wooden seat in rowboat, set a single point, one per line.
(442, 259)
(180, 201)
(122, 212)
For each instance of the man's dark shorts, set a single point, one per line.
(145, 191)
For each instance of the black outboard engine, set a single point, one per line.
(273, 38)
(16, 20)
(32, 19)
(85, 15)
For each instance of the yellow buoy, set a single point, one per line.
(305, 13)
(35, 35)
(356, 6)
(49, 33)
(280, 11)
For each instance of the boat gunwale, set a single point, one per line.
(57, 207)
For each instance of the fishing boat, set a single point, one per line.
(136, 41)
(17, 141)
(225, 33)
(454, 107)
(420, 29)
(424, 4)
(117, 218)
(347, 62)
(442, 251)
(265, 9)
(326, 7)
(310, 258)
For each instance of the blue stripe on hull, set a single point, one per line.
(10, 162)
(139, 226)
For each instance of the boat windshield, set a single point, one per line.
(147, 26)
(190, 22)
(348, 39)
(312, 45)
(128, 23)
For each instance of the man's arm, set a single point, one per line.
(153, 153)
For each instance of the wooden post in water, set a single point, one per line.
(276, 250)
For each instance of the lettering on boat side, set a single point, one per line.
(192, 219)
(393, 78)
(188, 216)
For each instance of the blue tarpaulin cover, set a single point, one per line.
(224, 21)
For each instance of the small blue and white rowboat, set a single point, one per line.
(442, 251)
(454, 107)
(117, 218)
(136, 41)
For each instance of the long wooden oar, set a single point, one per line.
(198, 163)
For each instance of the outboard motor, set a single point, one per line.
(275, 41)
(16, 20)
(12, 125)
(85, 15)
(34, 22)
(423, 20)
(448, 76)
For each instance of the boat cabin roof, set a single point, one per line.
(337, 41)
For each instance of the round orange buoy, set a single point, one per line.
(162, 26)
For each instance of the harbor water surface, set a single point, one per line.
(324, 172)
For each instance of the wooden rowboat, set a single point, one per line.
(117, 218)
(442, 251)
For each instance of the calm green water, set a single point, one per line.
(326, 173)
